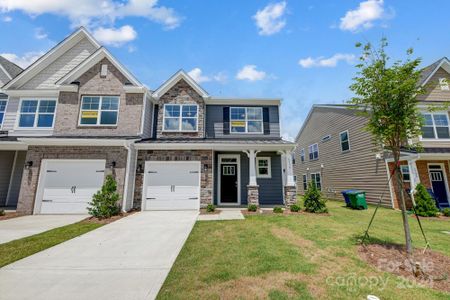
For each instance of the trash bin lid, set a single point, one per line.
(354, 192)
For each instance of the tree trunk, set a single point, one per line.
(401, 195)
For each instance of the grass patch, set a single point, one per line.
(303, 256)
(21, 248)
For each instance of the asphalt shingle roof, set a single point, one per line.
(10, 67)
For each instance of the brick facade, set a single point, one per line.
(290, 195)
(253, 194)
(181, 93)
(204, 156)
(130, 106)
(36, 154)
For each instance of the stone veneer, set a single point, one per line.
(36, 154)
(253, 194)
(204, 156)
(181, 93)
(290, 195)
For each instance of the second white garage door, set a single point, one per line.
(172, 185)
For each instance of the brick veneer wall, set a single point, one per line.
(181, 93)
(130, 106)
(204, 156)
(36, 154)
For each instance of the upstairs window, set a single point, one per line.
(37, 113)
(313, 151)
(180, 117)
(316, 180)
(2, 111)
(99, 110)
(405, 173)
(443, 83)
(246, 120)
(345, 141)
(302, 155)
(435, 126)
(263, 168)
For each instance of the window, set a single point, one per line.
(405, 172)
(37, 113)
(228, 170)
(315, 179)
(345, 142)
(435, 126)
(263, 169)
(180, 117)
(293, 158)
(305, 182)
(313, 152)
(443, 83)
(302, 155)
(99, 110)
(246, 120)
(2, 110)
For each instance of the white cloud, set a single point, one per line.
(199, 77)
(364, 16)
(7, 19)
(269, 20)
(40, 34)
(249, 72)
(25, 60)
(115, 36)
(94, 12)
(330, 62)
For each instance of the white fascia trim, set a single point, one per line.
(52, 56)
(32, 93)
(213, 146)
(13, 146)
(238, 101)
(74, 142)
(435, 70)
(174, 79)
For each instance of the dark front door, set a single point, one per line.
(439, 190)
(228, 184)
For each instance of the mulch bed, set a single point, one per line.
(110, 220)
(438, 218)
(204, 212)
(285, 212)
(10, 215)
(434, 267)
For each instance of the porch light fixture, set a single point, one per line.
(139, 169)
(28, 164)
(205, 167)
(321, 166)
(112, 165)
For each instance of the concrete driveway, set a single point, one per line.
(17, 228)
(127, 259)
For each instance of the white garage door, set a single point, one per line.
(172, 185)
(66, 186)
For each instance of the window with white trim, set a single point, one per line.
(180, 117)
(263, 167)
(99, 110)
(405, 173)
(443, 83)
(435, 126)
(316, 180)
(305, 182)
(302, 155)
(345, 141)
(2, 110)
(37, 113)
(246, 120)
(313, 151)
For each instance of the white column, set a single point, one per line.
(252, 166)
(413, 177)
(289, 169)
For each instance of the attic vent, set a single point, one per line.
(443, 82)
(104, 71)
(326, 138)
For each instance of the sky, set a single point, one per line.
(302, 51)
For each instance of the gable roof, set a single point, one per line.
(429, 71)
(10, 68)
(181, 74)
(93, 59)
(51, 56)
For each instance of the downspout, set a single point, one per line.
(128, 146)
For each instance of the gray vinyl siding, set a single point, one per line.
(14, 190)
(355, 169)
(214, 123)
(6, 163)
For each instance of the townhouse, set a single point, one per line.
(77, 114)
(335, 152)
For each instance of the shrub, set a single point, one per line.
(104, 202)
(425, 205)
(295, 208)
(278, 210)
(210, 208)
(446, 212)
(252, 207)
(313, 200)
(2, 212)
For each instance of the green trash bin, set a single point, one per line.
(357, 199)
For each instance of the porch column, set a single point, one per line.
(414, 178)
(290, 189)
(252, 187)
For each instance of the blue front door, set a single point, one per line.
(439, 189)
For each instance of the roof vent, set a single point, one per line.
(104, 71)
(326, 138)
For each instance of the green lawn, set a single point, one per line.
(294, 257)
(18, 249)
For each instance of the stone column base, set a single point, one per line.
(290, 195)
(253, 194)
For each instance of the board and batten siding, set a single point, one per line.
(214, 123)
(355, 169)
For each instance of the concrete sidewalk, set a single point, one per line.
(20, 227)
(127, 259)
(224, 214)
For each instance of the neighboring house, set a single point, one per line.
(339, 154)
(76, 115)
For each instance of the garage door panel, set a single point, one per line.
(55, 193)
(171, 205)
(63, 207)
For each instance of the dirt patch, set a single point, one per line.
(10, 215)
(204, 212)
(433, 271)
(438, 218)
(110, 220)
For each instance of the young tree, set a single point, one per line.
(387, 93)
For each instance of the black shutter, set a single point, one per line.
(226, 120)
(266, 120)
